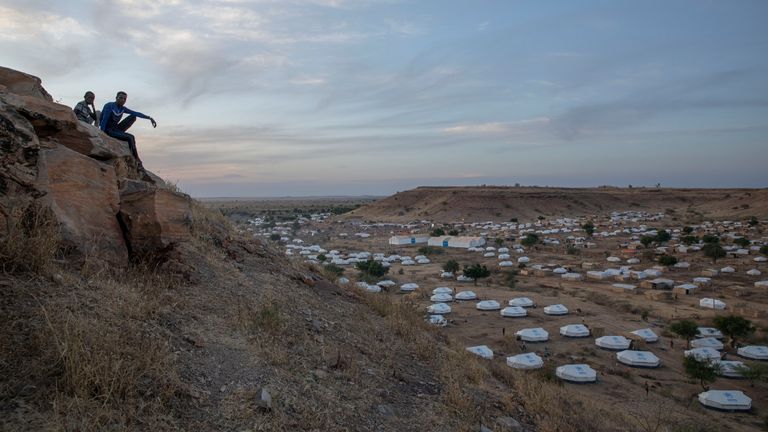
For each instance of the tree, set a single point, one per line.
(702, 370)
(753, 221)
(689, 239)
(667, 260)
(476, 271)
(663, 236)
(742, 241)
(275, 237)
(437, 232)
(530, 240)
(453, 232)
(709, 238)
(755, 372)
(332, 271)
(735, 327)
(647, 240)
(371, 269)
(451, 266)
(498, 242)
(510, 278)
(714, 251)
(589, 228)
(687, 230)
(764, 249)
(686, 329)
(322, 257)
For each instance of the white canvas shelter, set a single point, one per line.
(613, 342)
(707, 342)
(761, 284)
(555, 309)
(753, 272)
(571, 276)
(728, 269)
(613, 259)
(408, 287)
(579, 373)
(438, 320)
(386, 283)
(488, 305)
(408, 262)
(754, 352)
(523, 260)
(711, 303)
(626, 287)
(439, 241)
(423, 261)
(599, 275)
(730, 368)
(465, 242)
(446, 275)
(575, 330)
(442, 290)
(463, 278)
(503, 256)
(537, 334)
(406, 240)
(525, 361)
(727, 400)
(342, 281)
(489, 254)
(638, 358)
(441, 298)
(466, 295)
(682, 265)
(560, 271)
(760, 259)
(439, 308)
(709, 332)
(514, 312)
(703, 353)
(373, 288)
(633, 261)
(482, 351)
(521, 301)
(506, 264)
(702, 280)
(647, 334)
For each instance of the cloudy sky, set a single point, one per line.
(350, 97)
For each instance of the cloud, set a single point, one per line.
(499, 128)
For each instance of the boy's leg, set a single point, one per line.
(126, 123)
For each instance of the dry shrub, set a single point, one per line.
(209, 227)
(264, 315)
(30, 240)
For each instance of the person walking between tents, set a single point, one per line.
(114, 127)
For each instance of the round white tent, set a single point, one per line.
(754, 352)
(441, 298)
(488, 305)
(703, 353)
(466, 295)
(754, 272)
(555, 309)
(707, 342)
(514, 312)
(482, 351)
(613, 342)
(575, 330)
(647, 334)
(579, 373)
(442, 290)
(537, 334)
(525, 361)
(408, 287)
(727, 400)
(438, 320)
(709, 332)
(386, 283)
(521, 301)
(439, 308)
(638, 358)
(560, 271)
(730, 368)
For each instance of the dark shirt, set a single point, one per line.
(111, 114)
(84, 113)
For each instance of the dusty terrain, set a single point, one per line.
(456, 204)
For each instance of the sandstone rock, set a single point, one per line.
(154, 219)
(13, 81)
(82, 192)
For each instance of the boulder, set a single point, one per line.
(154, 220)
(13, 81)
(82, 192)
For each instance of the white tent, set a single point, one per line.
(555, 309)
(760, 259)
(711, 303)
(638, 358)
(408, 287)
(754, 272)
(703, 353)
(579, 373)
(707, 342)
(647, 334)
(438, 320)
(441, 298)
(442, 290)
(521, 301)
(730, 368)
(463, 278)
(525, 361)
(465, 242)
(754, 352)
(342, 281)
(571, 276)
(574, 330)
(560, 271)
(613, 259)
(537, 334)
(466, 295)
(626, 287)
(513, 312)
(613, 342)
(386, 283)
(439, 308)
(488, 305)
(506, 264)
(709, 332)
(446, 275)
(523, 260)
(702, 280)
(405, 240)
(503, 256)
(633, 261)
(728, 269)
(599, 275)
(439, 241)
(423, 261)
(761, 284)
(482, 351)
(727, 400)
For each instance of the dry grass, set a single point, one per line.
(209, 227)
(30, 240)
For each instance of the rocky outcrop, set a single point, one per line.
(106, 209)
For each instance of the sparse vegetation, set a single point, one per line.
(437, 232)
(430, 250)
(713, 250)
(476, 271)
(30, 240)
(451, 266)
(530, 239)
(734, 326)
(702, 370)
(589, 228)
(371, 269)
(333, 271)
(667, 260)
(686, 329)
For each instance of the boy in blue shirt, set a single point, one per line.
(114, 127)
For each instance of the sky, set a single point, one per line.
(370, 97)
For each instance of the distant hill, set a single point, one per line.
(451, 204)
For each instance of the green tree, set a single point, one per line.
(437, 232)
(742, 241)
(735, 327)
(510, 278)
(332, 271)
(322, 257)
(702, 370)
(453, 232)
(687, 230)
(530, 240)
(764, 249)
(689, 239)
(589, 228)
(275, 237)
(667, 260)
(498, 242)
(371, 269)
(686, 329)
(451, 266)
(713, 250)
(646, 240)
(709, 238)
(663, 236)
(476, 271)
(755, 372)
(753, 221)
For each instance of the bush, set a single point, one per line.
(702, 370)
(735, 327)
(713, 250)
(647, 240)
(453, 232)
(686, 329)
(275, 237)
(430, 250)
(663, 236)
(332, 271)
(709, 238)
(437, 232)
(689, 240)
(451, 266)
(510, 278)
(687, 230)
(476, 271)
(742, 241)
(372, 269)
(589, 228)
(764, 249)
(667, 260)
(31, 242)
(572, 250)
(322, 257)
(530, 240)
(753, 221)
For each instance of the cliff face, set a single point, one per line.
(103, 205)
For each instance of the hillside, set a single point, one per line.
(125, 305)
(452, 204)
